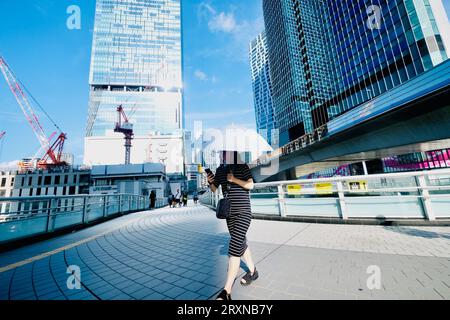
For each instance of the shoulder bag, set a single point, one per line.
(224, 206)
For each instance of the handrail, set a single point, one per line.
(355, 178)
(426, 195)
(38, 198)
(51, 213)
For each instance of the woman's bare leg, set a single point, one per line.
(248, 259)
(233, 269)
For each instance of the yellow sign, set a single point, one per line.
(324, 188)
(357, 186)
(294, 189)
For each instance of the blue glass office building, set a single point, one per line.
(262, 87)
(328, 57)
(137, 63)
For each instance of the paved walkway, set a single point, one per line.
(181, 254)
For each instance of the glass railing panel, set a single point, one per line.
(95, 209)
(313, 207)
(67, 219)
(441, 206)
(438, 184)
(385, 207)
(21, 228)
(113, 205)
(265, 206)
(126, 203)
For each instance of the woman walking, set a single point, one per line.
(237, 179)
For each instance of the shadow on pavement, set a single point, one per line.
(418, 233)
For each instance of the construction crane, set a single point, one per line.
(125, 127)
(2, 134)
(53, 151)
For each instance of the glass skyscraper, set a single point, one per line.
(262, 87)
(136, 62)
(327, 57)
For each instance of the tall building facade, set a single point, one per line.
(137, 63)
(262, 87)
(328, 57)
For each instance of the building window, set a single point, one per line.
(83, 190)
(84, 178)
(12, 182)
(57, 179)
(75, 179)
(72, 190)
(38, 191)
(30, 181)
(3, 182)
(40, 180)
(66, 179)
(48, 180)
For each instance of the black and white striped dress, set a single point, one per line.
(241, 213)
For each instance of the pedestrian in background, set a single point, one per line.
(170, 199)
(177, 199)
(152, 200)
(195, 197)
(185, 199)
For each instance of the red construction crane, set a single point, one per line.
(2, 134)
(126, 128)
(53, 151)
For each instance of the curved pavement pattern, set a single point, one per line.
(181, 254)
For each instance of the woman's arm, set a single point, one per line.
(211, 181)
(248, 185)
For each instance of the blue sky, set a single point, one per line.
(53, 62)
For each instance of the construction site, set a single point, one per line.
(51, 172)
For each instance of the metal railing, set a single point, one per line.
(411, 195)
(23, 217)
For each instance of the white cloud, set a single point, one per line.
(201, 75)
(204, 77)
(9, 166)
(242, 32)
(204, 10)
(223, 22)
